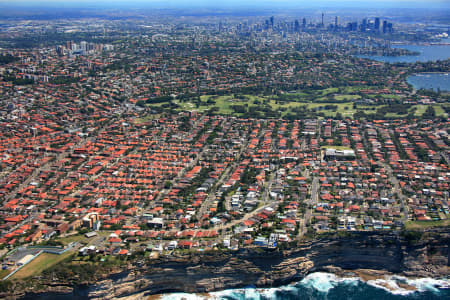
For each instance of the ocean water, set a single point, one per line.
(427, 53)
(330, 287)
(432, 81)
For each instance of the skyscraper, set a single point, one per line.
(83, 45)
(377, 24)
(336, 22)
(296, 26)
(389, 28)
(352, 26)
(364, 25)
(384, 26)
(322, 19)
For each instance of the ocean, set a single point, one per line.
(330, 287)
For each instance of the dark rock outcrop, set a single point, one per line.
(423, 255)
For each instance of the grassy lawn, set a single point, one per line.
(189, 106)
(384, 96)
(224, 103)
(300, 95)
(420, 109)
(39, 264)
(438, 109)
(352, 89)
(347, 97)
(288, 105)
(390, 96)
(4, 273)
(329, 91)
(394, 115)
(146, 118)
(426, 224)
(74, 238)
(368, 108)
(81, 238)
(345, 109)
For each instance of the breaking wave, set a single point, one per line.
(328, 286)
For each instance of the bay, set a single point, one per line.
(430, 81)
(427, 53)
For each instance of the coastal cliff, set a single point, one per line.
(423, 254)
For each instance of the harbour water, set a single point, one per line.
(329, 286)
(430, 81)
(427, 53)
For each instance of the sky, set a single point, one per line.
(227, 3)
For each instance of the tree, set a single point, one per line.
(167, 184)
(429, 113)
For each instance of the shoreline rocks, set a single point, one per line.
(368, 255)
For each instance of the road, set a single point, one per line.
(397, 190)
(266, 194)
(45, 167)
(247, 216)
(313, 200)
(42, 168)
(181, 174)
(445, 157)
(265, 199)
(212, 193)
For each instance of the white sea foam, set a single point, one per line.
(253, 293)
(390, 286)
(323, 283)
(429, 284)
(271, 293)
(393, 284)
(184, 296)
(247, 293)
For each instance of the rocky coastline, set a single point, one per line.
(368, 254)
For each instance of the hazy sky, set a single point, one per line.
(231, 3)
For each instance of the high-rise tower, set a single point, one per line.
(296, 26)
(377, 24)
